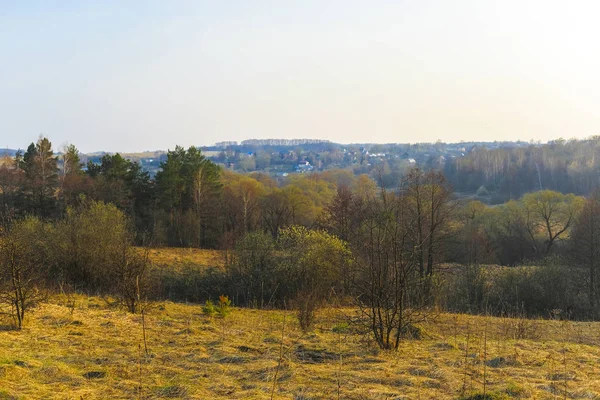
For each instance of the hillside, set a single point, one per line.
(90, 351)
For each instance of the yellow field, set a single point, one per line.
(90, 351)
(175, 257)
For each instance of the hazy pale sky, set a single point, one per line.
(143, 75)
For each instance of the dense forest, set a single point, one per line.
(392, 247)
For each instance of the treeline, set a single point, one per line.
(395, 252)
(190, 201)
(507, 173)
(497, 172)
(280, 142)
(89, 250)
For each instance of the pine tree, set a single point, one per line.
(41, 177)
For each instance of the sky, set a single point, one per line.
(126, 75)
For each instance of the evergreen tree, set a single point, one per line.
(72, 178)
(41, 177)
(188, 190)
(125, 184)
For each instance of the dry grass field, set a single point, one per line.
(87, 350)
(176, 257)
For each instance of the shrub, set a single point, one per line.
(253, 273)
(189, 283)
(224, 307)
(209, 309)
(306, 311)
(341, 328)
(22, 267)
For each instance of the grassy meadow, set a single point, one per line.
(174, 257)
(82, 348)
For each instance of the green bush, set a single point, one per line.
(222, 309)
(341, 328)
(209, 309)
(224, 306)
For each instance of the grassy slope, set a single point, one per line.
(174, 257)
(193, 356)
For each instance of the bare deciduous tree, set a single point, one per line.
(22, 267)
(550, 214)
(428, 202)
(389, 286)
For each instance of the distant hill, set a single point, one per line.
(280, 157)
(8, 152)
(281, 142)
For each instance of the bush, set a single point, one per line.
(189, 283)
(224, 307)
(209, 309)
(253, 274)
(466, 290)
(306, 307)
(341, 328)
(23, 267)
(525, 291)
(90, 243)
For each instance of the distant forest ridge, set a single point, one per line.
(271, 142)
(292, 143)
(493, 172)
(8, 152)
(280, 157)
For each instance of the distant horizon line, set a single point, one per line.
(313, 141)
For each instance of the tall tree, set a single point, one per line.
(440, 208)
(550, 214)
(242, 196)
(73, 181)
(188, 190)
(473, 243)
(429, 203)
(124, 183)
(41, 177)
(340, 215)
(276, 211)
(71, 161)
(11, 188)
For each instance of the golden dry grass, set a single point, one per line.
(176, 257)
(97, 353)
